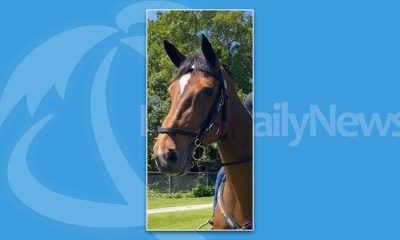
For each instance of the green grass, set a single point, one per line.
(183, 220)
(161, 202)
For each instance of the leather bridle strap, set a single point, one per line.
(212, 115)
(208, 122)
(237, 162)
(219, 105)
(177, 131)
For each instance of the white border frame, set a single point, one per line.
(253, 88)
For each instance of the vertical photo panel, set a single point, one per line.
(200, 166)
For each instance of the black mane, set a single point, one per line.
(200, 64)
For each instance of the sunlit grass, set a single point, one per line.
(182, 220)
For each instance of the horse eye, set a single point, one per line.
(208, 91)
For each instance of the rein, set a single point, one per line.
(228, 217)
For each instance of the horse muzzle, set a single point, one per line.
(172, 162)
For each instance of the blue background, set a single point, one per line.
(306, 52)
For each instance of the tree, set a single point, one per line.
(230, 33)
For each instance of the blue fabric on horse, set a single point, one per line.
(220, 175)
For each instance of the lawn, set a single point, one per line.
(161, 202)
(180, 220)
(183, 220)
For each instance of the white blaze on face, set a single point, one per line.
(183, 81)
(160, 153)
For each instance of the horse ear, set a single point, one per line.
(174, 54)
(208, 51)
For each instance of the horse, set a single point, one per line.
(205, 108)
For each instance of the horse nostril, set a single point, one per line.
(171, 156)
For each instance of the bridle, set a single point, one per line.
(219, 105)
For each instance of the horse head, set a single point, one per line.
(197, 95)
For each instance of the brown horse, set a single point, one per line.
(205, 108)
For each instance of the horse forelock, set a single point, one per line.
(196, 62)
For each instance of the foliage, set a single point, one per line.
(154, 194)
(230, 33)
(201, 190)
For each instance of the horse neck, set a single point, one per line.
(236, 145)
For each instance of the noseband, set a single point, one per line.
(218, 105)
